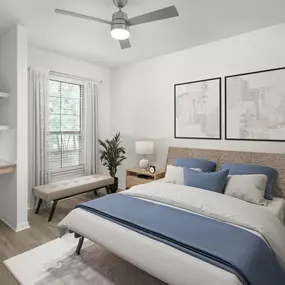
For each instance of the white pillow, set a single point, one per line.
(175, 174)
(250, 188)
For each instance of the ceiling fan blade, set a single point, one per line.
(157, 15)
(125, 44)
(72, 14)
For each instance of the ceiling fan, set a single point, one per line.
(120, 24)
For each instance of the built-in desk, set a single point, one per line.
(6, 167)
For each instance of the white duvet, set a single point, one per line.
(220, 207)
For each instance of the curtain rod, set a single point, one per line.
(74, 76)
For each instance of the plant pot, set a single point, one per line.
(114, 188)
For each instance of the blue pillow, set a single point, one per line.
(213, 181)
(204, 165)
(271, 173)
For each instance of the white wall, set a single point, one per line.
(142, 94)
(13, 143)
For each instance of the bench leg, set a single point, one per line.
(79, 246)
(52, 210)
(95, 192)
(108, 190)
(38, 206)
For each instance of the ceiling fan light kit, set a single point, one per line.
(120, 33)
(119, 27)
(120, 24)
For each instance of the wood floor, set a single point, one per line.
(40, 232)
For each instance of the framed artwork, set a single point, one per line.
(197, 109)
(255, 106)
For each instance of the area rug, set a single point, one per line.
(55, 263)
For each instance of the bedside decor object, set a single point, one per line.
(144, 148)
(135, 176)
(255, 106)
(197, 109)
(152, 169)
(112, 154)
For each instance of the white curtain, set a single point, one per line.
(91, 126)
(38, 123)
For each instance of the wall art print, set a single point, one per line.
(255, 106)
(197, 109)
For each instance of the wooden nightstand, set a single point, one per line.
(135, 176)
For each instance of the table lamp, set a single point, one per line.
(144, 148)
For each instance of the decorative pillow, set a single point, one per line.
(205, 165)
(250, 188)
(175, 174)
(271, 173)
(213, 181)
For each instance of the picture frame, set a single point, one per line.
(197, 109)
(255, 106)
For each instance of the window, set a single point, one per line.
(65, 151)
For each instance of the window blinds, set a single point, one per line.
(65, 135)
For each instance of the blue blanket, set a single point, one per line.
(225, 246)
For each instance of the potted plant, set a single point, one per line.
(112, 153)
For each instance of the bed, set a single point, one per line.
(174, 266)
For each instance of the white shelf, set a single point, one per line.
(4, 95)
(4, 128)
(6, 167)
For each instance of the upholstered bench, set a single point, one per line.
(69, 188)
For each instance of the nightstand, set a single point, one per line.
(135, 176)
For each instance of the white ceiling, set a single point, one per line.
(200, 21)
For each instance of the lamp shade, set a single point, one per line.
(144, 147)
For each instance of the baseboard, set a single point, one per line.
(122, 187)
(23, 226)
(19, 227)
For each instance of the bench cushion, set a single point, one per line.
(61, 189)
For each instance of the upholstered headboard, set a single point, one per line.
(274, 160)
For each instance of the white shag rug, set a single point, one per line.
(55, 263)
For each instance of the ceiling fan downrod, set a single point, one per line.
(120, 3)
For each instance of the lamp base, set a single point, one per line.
(143, 164)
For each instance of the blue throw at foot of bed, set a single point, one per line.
(231, 248)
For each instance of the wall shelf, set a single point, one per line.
(4, 128)
(4, 95)
(7, 167)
